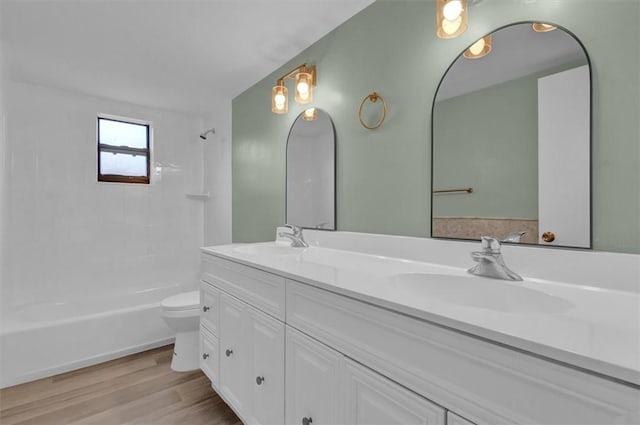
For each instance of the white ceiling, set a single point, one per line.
(180, 55)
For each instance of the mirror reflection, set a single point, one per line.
(511, 141)
(311, 171)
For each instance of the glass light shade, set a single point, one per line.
(479, 49)
(541, 27)
(451, 18)
(279, 99)
(310, 114)
(304, 88)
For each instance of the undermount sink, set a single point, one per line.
(478, 292)
(268, 249)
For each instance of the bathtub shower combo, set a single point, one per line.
(45, 339)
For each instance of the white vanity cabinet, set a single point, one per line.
(251, 342)
(354, 362)
(485, 382)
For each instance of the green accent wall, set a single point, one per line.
(383, 176)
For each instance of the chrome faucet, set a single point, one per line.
(490, 262)
(297, 240)
(514, 237)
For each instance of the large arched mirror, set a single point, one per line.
(311, 171)
(511, 134)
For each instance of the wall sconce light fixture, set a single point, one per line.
(310, 114)
(479, 49)
(305, 81)
(451, 18)
(542, 27)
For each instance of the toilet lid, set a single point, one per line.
(183, 301)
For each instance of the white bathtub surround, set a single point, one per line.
(594, 326)
(72, 239)
(217, 176)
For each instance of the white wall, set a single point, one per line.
(217, 176)
(71, 236)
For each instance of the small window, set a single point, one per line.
(123, 151)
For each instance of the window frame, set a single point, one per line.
(103, 147)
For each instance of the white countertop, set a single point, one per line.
(592, 328)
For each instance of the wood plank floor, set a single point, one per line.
(137, 389)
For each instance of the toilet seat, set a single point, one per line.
(181, 302)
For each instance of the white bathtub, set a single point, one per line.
(41, 340)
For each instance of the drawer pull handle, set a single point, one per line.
(205, 308)
(205, 356)
(259, 380)
(306, 421)
(228, 352)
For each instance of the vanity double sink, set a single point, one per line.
(584, 326)
(545, 333)
(437, 285)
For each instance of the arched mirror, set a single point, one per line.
(311, 171)
(511, 134)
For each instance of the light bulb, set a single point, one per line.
(280, 100)
(450, 27)
(303, 90)
(452, 10)
(477, 47)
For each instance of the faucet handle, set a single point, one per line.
(490, 245)
(297, 230)
(514, 236)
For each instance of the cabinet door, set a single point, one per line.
(313, 382)
(266, 337)
(234, 355)
(375, 400)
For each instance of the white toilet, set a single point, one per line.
(182, 314)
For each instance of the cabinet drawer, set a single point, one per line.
(263, 290)
(209, 307)
(484, 382)
(209, 356)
